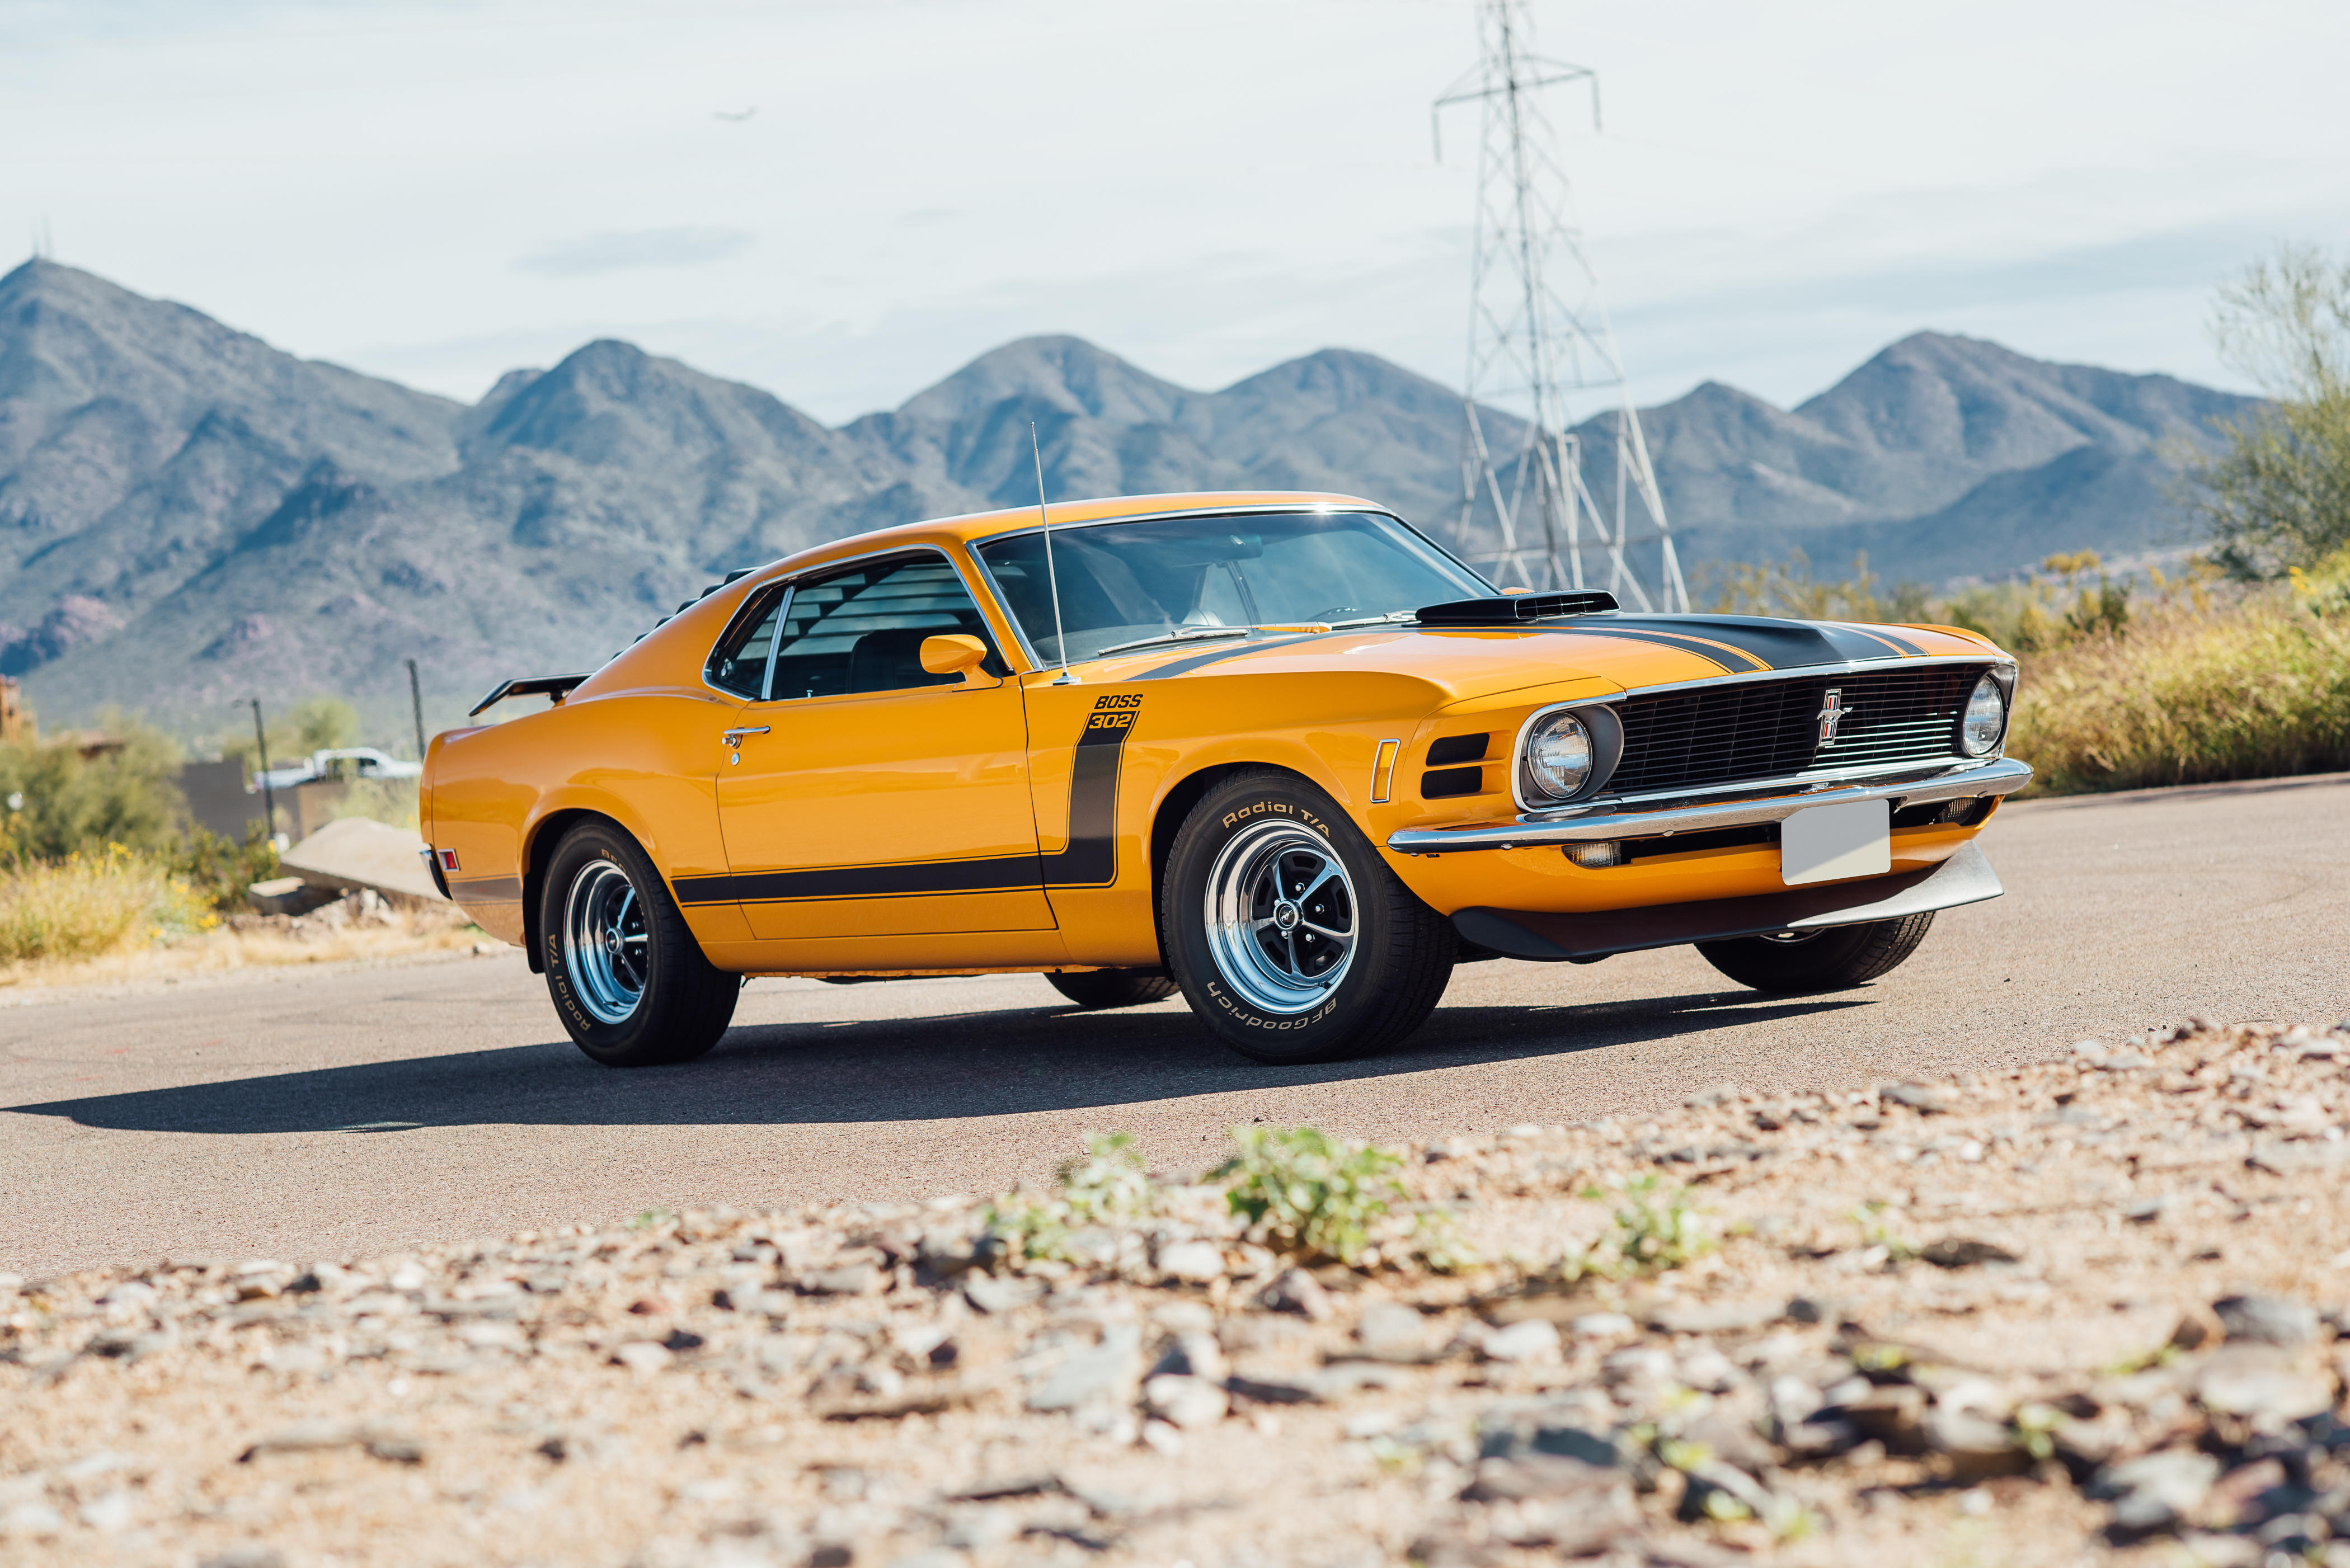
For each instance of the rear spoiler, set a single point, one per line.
(554, 686)
(1507, 609)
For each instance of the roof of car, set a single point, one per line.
(976, 526)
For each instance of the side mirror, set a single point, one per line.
(956, 653)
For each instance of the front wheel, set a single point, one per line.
(1834, 959)
(1291, 940)
(628, 980)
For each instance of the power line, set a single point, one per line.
(1539, 341)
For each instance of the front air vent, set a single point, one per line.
(1457, 749)
(1446, 782)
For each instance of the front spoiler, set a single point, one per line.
(1966, 878)
(2002, 777)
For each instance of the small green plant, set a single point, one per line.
(652, 1218)
(1876, 1232)
(2144, 1361)
(1106, 1183)
(1436, 1241)
(1308, 1192)
(2035, 1429)
(1656, 1231)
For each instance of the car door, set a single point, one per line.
(862, 795)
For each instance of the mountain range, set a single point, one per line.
(189, 516)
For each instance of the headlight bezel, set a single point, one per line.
(2000, 680)
(1605, 734)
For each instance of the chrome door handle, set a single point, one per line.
(734, 737)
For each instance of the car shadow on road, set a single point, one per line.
(996, 1063)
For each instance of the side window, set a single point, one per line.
(739, 662)
(862, 630)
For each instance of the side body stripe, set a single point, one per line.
(1090, 859)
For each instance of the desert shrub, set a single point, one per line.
(58, 803)
(2255, 685)
(88, 904)
(220, 870)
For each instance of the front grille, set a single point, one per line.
(1718, 735)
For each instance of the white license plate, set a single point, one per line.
(1827, 842)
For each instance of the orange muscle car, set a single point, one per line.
(1279, 751)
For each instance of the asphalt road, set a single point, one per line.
(296, 1115)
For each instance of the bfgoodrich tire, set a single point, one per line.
(1113, 987)
(628, 980)
(1291, 939)
(1835, 959)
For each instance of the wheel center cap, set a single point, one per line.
(612, 942)
(1284, 915)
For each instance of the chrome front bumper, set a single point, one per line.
(2003, 776)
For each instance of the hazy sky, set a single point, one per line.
(441, 192)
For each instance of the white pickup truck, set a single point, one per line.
(340, 762)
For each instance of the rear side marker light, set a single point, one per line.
(1594, 857)
(448, 859)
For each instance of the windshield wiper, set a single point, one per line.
(1373, 619)
(1190, 634)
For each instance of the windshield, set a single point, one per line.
(1181, 577)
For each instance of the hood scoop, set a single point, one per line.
(1509, 609)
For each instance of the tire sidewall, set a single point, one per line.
(1228, 810)
(581, 848)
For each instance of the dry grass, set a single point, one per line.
(90, 905)
(2258, 687)
(114, 915)
(220, 951)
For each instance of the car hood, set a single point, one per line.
(1625, 651)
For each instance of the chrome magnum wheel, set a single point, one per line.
(1280, 913)
(1291, 939)
(629, 982)
(604, 941)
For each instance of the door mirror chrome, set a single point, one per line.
(956, 652)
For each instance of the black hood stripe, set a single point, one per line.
(1772, 644)
(1232, 650)
(1902, 644)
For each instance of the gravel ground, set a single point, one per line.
(2080, 1311)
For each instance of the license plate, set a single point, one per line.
(1827, 842)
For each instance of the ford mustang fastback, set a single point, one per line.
(1279, 752)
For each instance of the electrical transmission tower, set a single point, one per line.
(1539, 342)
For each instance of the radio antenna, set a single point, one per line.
(1060, 638)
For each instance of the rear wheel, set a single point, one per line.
(1290, 936)
(1833, 959)
(628, 980)
(1113, 987)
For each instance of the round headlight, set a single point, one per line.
(1559, 755)
(1986, 719)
